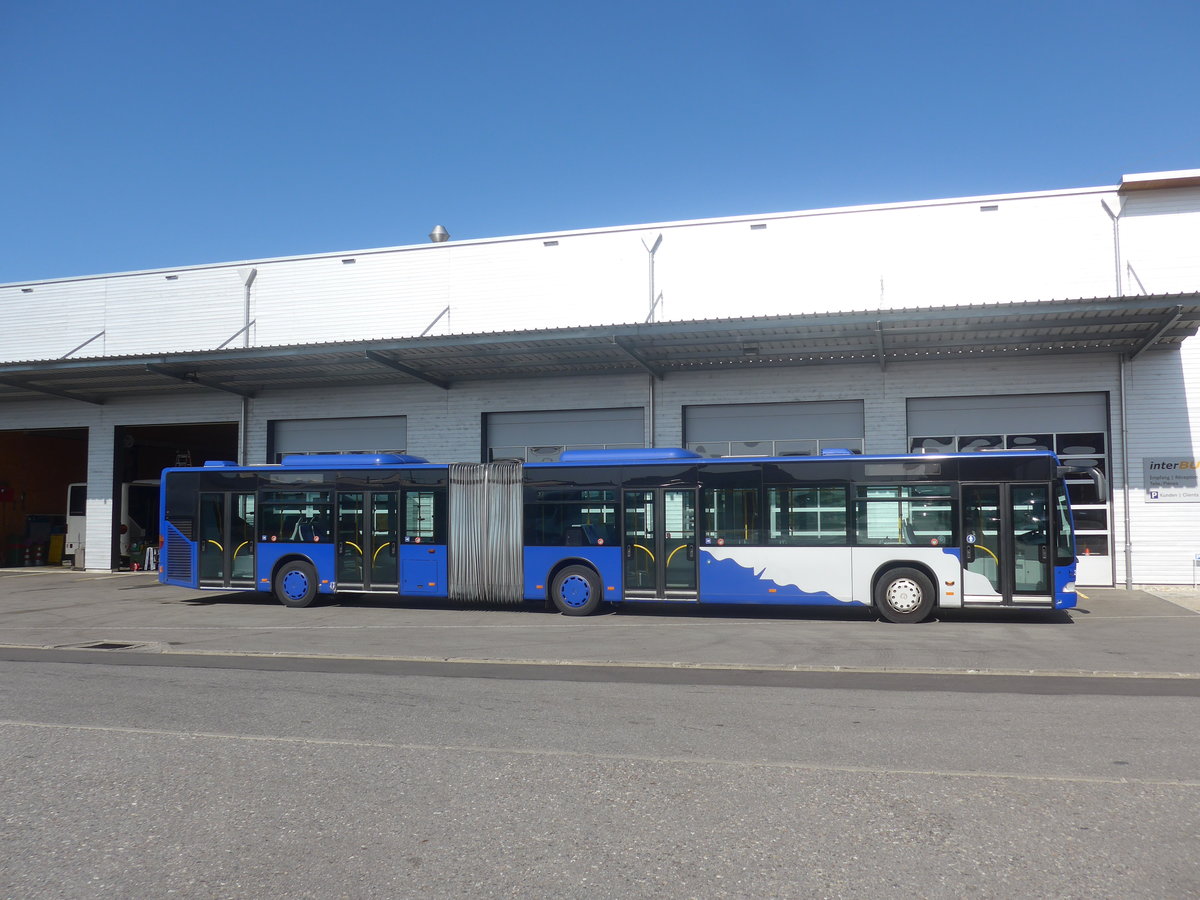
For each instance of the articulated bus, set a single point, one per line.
(904, 535)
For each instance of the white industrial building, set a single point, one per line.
(1062, 319)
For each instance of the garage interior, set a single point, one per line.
(36, 468)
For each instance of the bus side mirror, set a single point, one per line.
(1092, 472)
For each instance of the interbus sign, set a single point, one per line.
(1172, 480)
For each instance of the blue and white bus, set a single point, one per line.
(904, 535)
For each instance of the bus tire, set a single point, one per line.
(575, 591)
(296, 584)
(904, 596)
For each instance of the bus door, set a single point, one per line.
(659, 539)
(367, 541)
(225, 539)
(1006, 548)
(423, 546)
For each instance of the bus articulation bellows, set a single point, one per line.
(904, 535)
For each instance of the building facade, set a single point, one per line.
(1060, 319)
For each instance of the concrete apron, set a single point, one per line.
(1113, 633)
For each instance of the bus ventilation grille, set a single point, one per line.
(179, 556)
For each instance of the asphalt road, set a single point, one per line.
(227, 779)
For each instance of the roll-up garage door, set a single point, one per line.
(1075, 426)
(774, 429)
(374, 434)
(542, 435)
(1007, 414)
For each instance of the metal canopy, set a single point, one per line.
(1127, 326)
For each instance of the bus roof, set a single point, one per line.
(615, 457)
(651, 457)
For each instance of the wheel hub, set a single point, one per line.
(575, 591)
(295, 585)
(904, 595)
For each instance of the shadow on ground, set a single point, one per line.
(677, 611)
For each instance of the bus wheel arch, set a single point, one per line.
(575, 588)
(904, 592)
(294, 582)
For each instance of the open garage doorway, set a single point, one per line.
(141, 452)
(37, 468)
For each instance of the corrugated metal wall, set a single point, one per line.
(949, 252)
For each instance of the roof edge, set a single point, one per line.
(1152, 181)
(583, 232)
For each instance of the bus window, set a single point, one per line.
(301, 517)
(1030, 533)
(807, 516)
(731, 515)
(425, 516)
(571, 518)
(921, 514)
(241, 541)
(1065, 542)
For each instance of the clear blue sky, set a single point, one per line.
(150, 134)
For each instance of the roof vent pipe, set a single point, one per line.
(439, 235)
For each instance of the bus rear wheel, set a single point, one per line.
(904, 596)
(575, 591)
(296, 584)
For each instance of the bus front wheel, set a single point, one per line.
(575, 591)
(296, 584)
(904, 595)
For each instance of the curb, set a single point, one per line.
(154, 647)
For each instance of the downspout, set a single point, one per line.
(1122, 364)
(248, 276)
(650, 251)
(243, 428)
(650, 412)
